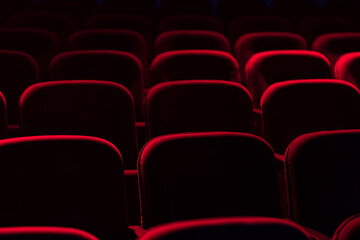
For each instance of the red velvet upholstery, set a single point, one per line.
(3, 117)
(191, 39)
(293, 108)
(112, 39)
(192, 65)
(347, 68)
(44, 233)
(199, 175)
(198, 105)
(40, 44)
(69, 181)
(266, 68)
(137, 23)
(94, 108)
(313, 27)
(333, 45)
(322, 172)
(190, 22)
(115, 66)
(59, 24)
(18, 71)
(252, 43)
(349, 229)
(254, 228)
(250, 24)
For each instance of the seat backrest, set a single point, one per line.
(190, 22)
(94, 108)
(323, 180)
(250, 24)
(132, 22)
(109, 65)
(190, 39)
(59, 24)
(112, 39)
(251, 43)
(255, 228)
(293, 108)
(3, 117)
(40, 44)
(199, 175)
(198, 105)
(333, 45)
(313, 27)
(348, 229)
(69, 181)
(193, 65)
(43, 233)
(347, 68)
(266, 68)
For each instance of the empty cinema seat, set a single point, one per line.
(190, 39)
(112, 39)
(3, 117)
(323, 179)
(333, 45)
(193, 65)
(347, 68)
(59, 24)
(292, 108)
(252, 43)
(68, 181)
(311, 28)
(249, 24)
(228, 228)
(199, 175)
(43, 233)
(198, 105)
(348, 229)
(116, 66)
(18, 71)
(190, 22)
(132, 22)
(95, 108)
(40, 44)
(266, 68)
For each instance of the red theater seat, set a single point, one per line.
(333, 45)
(3, 117)
(18, 71)
(190, 22)
(323, 178)
(112, 39)
(228, 228)
(43, 233)
(266, 68)
(250, 24)
(40, 44)
(311, 28)
(115, 66)
(137, 23)
(190, 39)
(193, 65)
(252, 43)
(293, 108)
(349, 229)
(61, 25)
(95, 108)
(198, 105)
(68, 181)
(347, 68)
(200, 175)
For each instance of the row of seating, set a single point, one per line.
(78, 181)
(106, 109)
